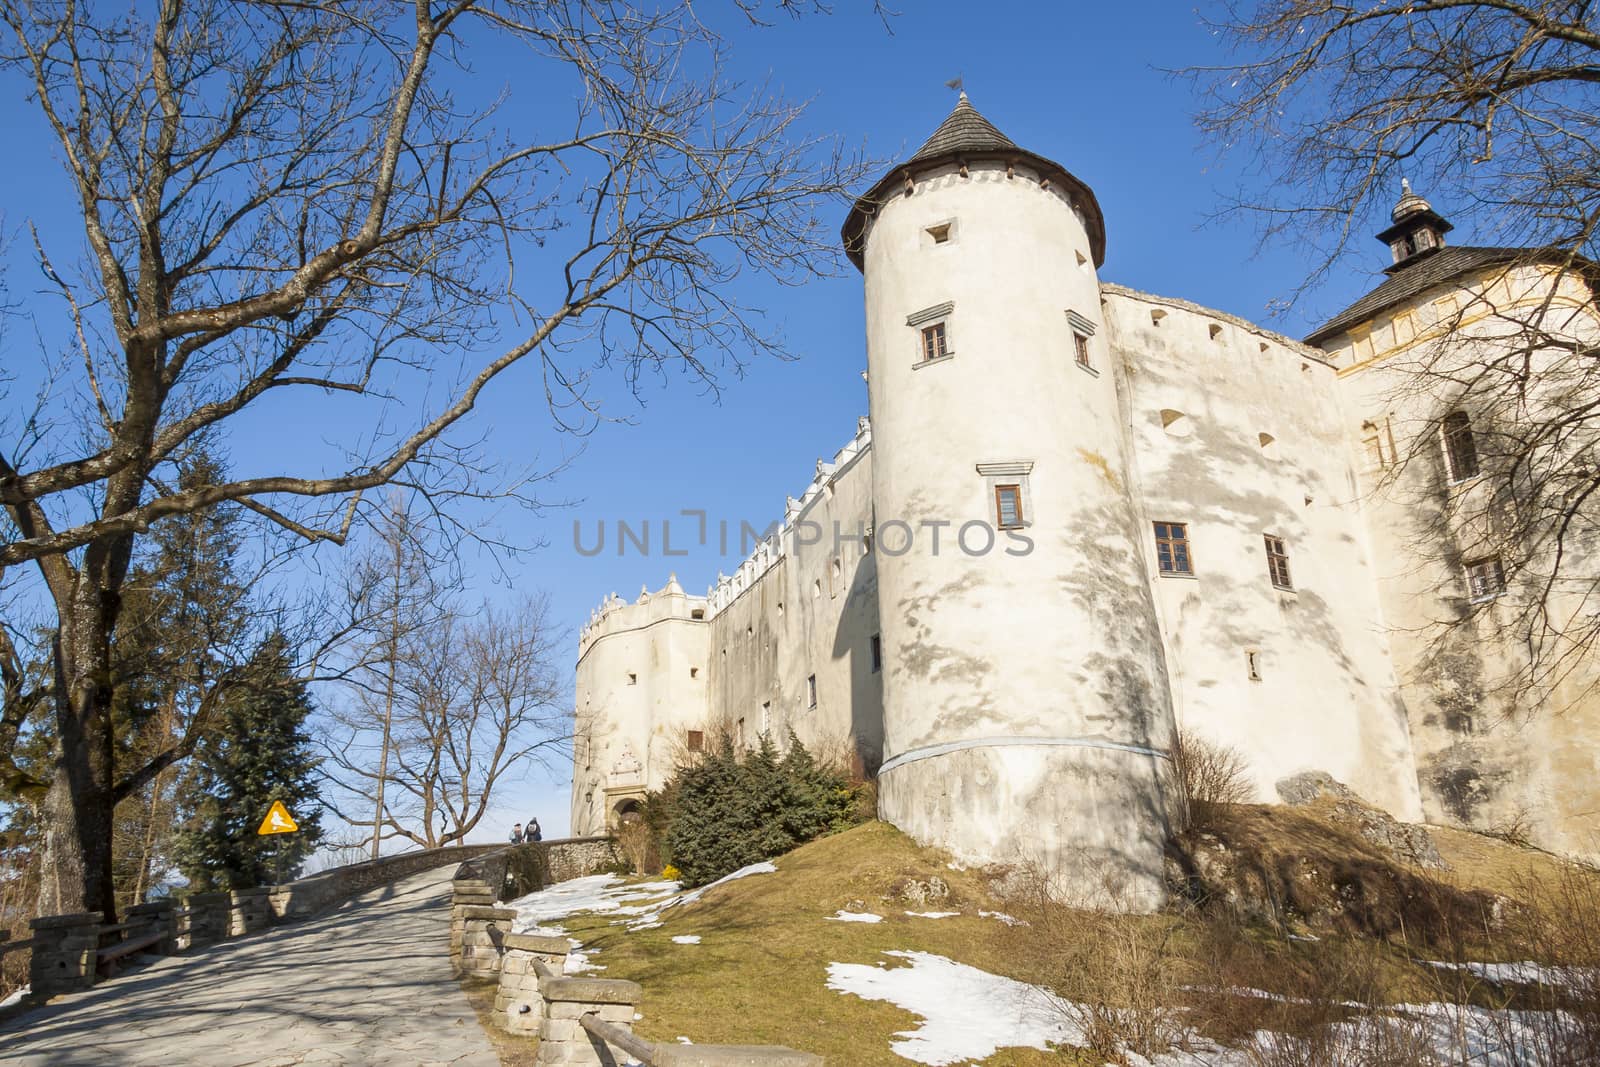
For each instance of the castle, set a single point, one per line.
(1082, 517)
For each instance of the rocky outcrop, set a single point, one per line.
(1334, 800)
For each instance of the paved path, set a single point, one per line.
(369, 983)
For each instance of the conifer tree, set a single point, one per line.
(259, 753)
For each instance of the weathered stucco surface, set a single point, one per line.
(1031, 679)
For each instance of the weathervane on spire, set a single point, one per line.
(956, 84)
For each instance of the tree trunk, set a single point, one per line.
(78, 808)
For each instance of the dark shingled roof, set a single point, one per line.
(1416, 277)
(964, 131)
(963, 136)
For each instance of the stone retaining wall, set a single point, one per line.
(306, 897)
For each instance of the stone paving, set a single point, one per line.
(367, 983)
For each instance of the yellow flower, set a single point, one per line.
(671, 873)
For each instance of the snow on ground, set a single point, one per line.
(1003, 917)
(842, 916)
(686, 939)
(15, 997)
(638, 904)
(967, 1014)
(1525, 973)
(932, 914)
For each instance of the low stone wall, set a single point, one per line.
(210, 917)
(306, 897)
(517, 1004)
(250, 910)
(64, 952)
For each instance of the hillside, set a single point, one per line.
(793, 957)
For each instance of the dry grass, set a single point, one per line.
(513, 1051)
(1136, 983)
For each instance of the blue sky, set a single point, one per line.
(1083, 84)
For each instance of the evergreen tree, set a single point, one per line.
(729, 809)
(259, 752)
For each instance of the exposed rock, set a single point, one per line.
(934, 891)
(1334, 799)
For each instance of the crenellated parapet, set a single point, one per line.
(616, 615)
(770, 550)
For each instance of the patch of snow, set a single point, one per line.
(683, 1040)
(854, 917)
(933, 914)
(578, 961)
(1525, 973)
(16, 996)
(967, 1014)
(686, 939)
(1003, 917)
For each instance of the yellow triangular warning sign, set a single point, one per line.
(278, 820)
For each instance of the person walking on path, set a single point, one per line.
(533, 833)
(516, 833)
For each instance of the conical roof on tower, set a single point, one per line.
(964, 131)
(966, 136)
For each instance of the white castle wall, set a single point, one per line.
(1326, 696)
(1486, 756)
(1026, 708)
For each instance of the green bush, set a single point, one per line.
(730, 809)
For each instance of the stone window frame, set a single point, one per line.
(1004, 474)
(1082, 330)
(940, 316)
(1485, 579)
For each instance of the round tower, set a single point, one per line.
(1027, 715)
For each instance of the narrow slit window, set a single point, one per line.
(875, 644)
(1172, 548)
(811, 690)
(1486, 579)
(1008, 506)
(633, 679)
(1278, 562)
(933, 342)
(1460, 451)
(1252, 664)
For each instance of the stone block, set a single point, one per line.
(593, 990)
(540, 943)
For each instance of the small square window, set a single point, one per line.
(1486, 579)
(1008, 507)
(1278, 562)
(876, 646)
(697, 741)
(939, 233)
(1081, 345)
(933, 341)
(633, 679)
(811, 691)
(1172, 548)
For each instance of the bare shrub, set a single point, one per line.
(1119, 978)
(1210, 778)
(639, 846)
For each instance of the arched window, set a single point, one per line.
(1460, 454)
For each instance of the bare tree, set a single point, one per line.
(1493, 108)
(291, 199)
(476, 702)
(1487, 105)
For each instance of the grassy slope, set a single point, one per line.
(759, 976)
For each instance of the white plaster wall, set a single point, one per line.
(629, 734)
(1327, 698)
(1057, 646)
(1486, 758)
(801, 618)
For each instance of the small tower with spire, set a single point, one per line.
(1418, 230)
